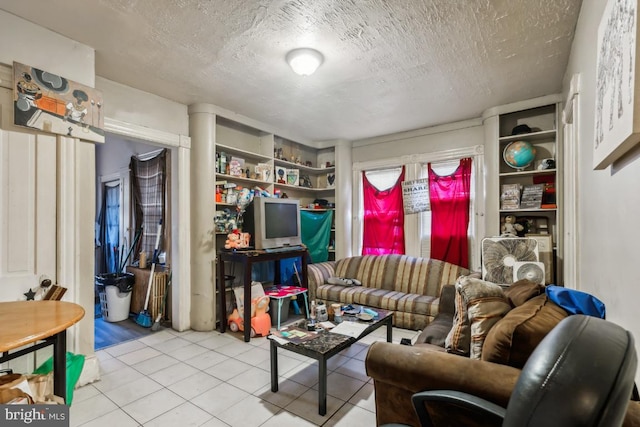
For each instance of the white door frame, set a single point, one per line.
(571, 149)
(180, 146)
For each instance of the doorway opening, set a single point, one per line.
(120, 235)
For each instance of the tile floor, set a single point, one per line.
(210, 379)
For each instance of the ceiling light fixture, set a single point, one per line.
(304, 61)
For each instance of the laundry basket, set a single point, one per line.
(115, 295)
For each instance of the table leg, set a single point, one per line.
(274, 366)
(306, 303)
(390, 329)
(60, 364)
(247, 302)
(322, 386)
(222, 297)
(279, 310)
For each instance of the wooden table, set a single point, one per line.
(247, 259)
(40, 323)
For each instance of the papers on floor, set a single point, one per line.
(351, 329)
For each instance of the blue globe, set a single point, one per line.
(519, 154)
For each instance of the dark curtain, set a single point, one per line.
(450, 201)
(109, 221)
(148, 189)
(383, 228)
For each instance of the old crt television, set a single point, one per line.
(272, 222)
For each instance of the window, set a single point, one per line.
(383, 223)
(417, 227)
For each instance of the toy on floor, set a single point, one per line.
(260, 319)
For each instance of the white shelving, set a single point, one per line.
(543, 120)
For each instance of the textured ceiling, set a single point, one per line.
(390, 65)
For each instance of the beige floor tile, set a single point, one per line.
(110, 365)
(341, 386)
(194, 385)
(250, 412)
(115, 379)
(84, 392)
(354, 368)
(170, 345)
(127, 347)
(154, 364)
(117, 418)
(287, 419)
(152, 405)
(306, 406)
(138, 356)
(349, 416)
(157, 338)
(184, 415)
(89, 409)
(227, 369)
(288, 391)
(131, 392)
(206, 360)
(365, 398)
(219, 398)
(187, 352)
(251, 380)
(174, 373)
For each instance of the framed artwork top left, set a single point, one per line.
(55, 104)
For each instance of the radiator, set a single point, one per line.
(158, 288)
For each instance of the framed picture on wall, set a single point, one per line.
(617, 108)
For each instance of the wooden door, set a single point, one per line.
(27, 212)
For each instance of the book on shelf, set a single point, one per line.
(531, 196)
(510, 197)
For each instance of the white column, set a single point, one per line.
(202, 130)
(344, 208)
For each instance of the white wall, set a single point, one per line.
(428, 140)
(609, 200)
(131, 105)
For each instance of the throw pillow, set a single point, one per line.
(459, 339)
(512, 340)
(479, 305)
(522, 291)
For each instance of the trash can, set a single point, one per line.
(284, 311)
(115, 290)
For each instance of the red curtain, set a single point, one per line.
(383, 218)
(450, 201)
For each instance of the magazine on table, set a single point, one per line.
(293, 335)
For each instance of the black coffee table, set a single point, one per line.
(325, 346)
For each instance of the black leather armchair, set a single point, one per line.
(581, 374)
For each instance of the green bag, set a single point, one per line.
(75, 363)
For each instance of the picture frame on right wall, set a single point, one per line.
(617, 109)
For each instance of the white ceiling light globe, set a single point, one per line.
(304, 61)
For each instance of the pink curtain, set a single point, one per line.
(383, 218)
(449, 197)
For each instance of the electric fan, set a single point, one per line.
(499, 255)
(530, 270)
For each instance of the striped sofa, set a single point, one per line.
(408, 286)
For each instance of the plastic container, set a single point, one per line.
(115, 295)
(284, 311)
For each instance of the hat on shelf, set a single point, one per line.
(520, 129)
